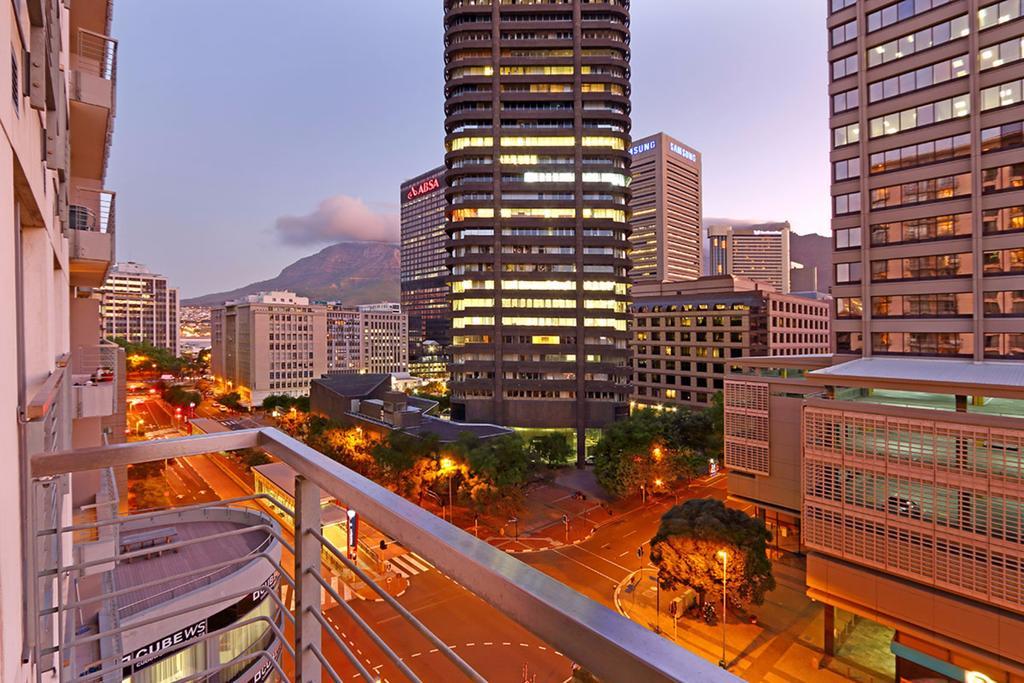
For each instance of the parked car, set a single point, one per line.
(904, 507)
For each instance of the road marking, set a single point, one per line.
(524, 645)
(506, 643)
(416, 655)
(488, 643)
(433, 651)
(586, 566)
(629, 534)
(470, 644)
(603, 559)
(623, 553)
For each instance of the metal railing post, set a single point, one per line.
(307, 588)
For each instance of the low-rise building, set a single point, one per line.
(371, 338)
(371, 403)
(268, 343)
(687, 335)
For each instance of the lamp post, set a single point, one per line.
(448, 467)
(724, 557)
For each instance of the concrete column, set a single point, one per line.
(830, 631)
(307, 593)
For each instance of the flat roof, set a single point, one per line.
(170, 566)
(936, 375)
(354, 385)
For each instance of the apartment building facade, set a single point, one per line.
(372, 338)
(268, 343)
(665, 211)
(140, 306)
(758, 252)
(687, 335)
(537, 166)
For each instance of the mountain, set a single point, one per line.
(813, 250)
(350, 272)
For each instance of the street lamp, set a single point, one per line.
(448, 468)
(724, 557)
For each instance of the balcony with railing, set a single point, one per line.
(91, 235)
(94, 69)
(95, 377)
(238, 594)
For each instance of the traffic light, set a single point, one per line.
(383, 544)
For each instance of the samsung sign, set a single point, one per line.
(684, 153)
(673, 147)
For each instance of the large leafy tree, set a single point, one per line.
(685, 551)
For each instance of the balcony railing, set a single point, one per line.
(92, 210)
(96, 55)
(95, 379)
(607, 645)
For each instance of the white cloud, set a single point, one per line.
(339, 219)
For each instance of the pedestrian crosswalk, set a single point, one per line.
(409, 564)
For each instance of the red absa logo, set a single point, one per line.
(423, 188)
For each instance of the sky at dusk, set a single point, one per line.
(267, 130)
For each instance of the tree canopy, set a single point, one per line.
(653, 446)
(685, 551)
(284, 403)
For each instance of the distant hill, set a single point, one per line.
(813, 250)
(351, 272)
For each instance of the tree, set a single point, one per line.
(624, 457)
(178, 395)
(252, 457)
(685, 551)
(495, 471)
(552, 448)
(231, 400)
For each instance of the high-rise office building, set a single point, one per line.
(268, 343)
(912, 484)
(687, 335)
(757, 252)
(665, 210)
(925, 170)
(373, 338)
(537, 123)
(138, 305)
(424, 274)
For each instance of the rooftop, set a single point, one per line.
(938, 375)
(217, 546)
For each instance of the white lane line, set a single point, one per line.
(603, 559)
(417, 654)
(586, 566)
(629, 534)
(506, 643)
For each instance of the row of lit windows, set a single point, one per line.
(904, 46)
(926, 76)
(616, 215)
(931, 189)
(562, 141)
(945, 304)
(923, 115)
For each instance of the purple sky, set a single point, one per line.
(251, 137)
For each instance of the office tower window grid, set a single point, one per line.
(939, 135)
(538, 130)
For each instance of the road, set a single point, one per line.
(490, 642)
(596, 566)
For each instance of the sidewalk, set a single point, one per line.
(784, 643)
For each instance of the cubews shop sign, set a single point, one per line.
(142, 657)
